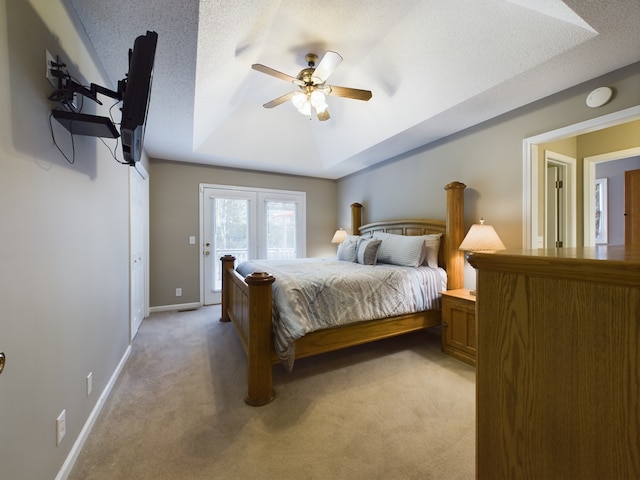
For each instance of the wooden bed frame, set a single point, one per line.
(247, 302)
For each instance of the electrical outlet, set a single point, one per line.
(178, 292)
(89, 383)
(50, 61)
(61, 427)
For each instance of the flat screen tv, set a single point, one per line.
(137, 92)
(134, 91)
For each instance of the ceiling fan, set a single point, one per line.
(313, 88)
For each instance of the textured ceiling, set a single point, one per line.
(435, 67)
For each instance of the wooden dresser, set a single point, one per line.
(558, 364)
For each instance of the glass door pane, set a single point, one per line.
(281, 229)
(231, 227)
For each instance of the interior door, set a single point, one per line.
(138, 192)
(228, 229)
(632, 207)
(555, 222)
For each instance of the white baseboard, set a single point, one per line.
(86, 429)
(179, 306)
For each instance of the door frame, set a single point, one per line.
(302, 239)
(590, 186)
(530, 180)
(208, 251)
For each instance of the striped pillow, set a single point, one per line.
(403, 250)
(367, 251)
(432, 247)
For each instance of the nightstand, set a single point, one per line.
(459, 325)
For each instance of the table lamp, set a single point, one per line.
(481, 238)
(339, 237)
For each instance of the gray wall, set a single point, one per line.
(64, 286)
(488, 158)
(174, 203)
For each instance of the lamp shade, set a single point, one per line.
(339, 237)
(481, 238)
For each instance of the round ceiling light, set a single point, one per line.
(599, 97)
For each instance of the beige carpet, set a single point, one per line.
(393, 409)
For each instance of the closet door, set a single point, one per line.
(138, 232)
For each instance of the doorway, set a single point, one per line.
(531, 200)
(590, 164)
(248, 223)
(228, 228)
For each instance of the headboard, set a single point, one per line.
(409, 227)
(452, 230)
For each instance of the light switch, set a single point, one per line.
(192, 240)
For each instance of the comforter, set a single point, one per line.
(313, 294)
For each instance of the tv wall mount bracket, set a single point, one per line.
(67, 87)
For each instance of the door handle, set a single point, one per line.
(207, 244)
(207, 253)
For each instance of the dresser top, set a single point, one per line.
(601, 264)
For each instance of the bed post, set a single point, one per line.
(454, 235)
(259, 345)
(227, 267)
(356, 218)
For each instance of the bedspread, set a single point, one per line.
(313, 294)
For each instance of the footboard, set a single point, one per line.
(247, 303)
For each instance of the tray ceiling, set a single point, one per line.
(435, 67)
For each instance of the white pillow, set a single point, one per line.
(431, 248)
(403, 250)
(347, 249)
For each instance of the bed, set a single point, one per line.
(247, 300)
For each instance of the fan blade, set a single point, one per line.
(326, 66)
(275, 73)
(323, 115)
(354, 93)
(279, 100)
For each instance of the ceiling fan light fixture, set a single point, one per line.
(298, 100)
(318, 101)
(312, 83)
(303, 103)
(306, 109)
(317, 98)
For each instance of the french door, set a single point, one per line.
(248, 224)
